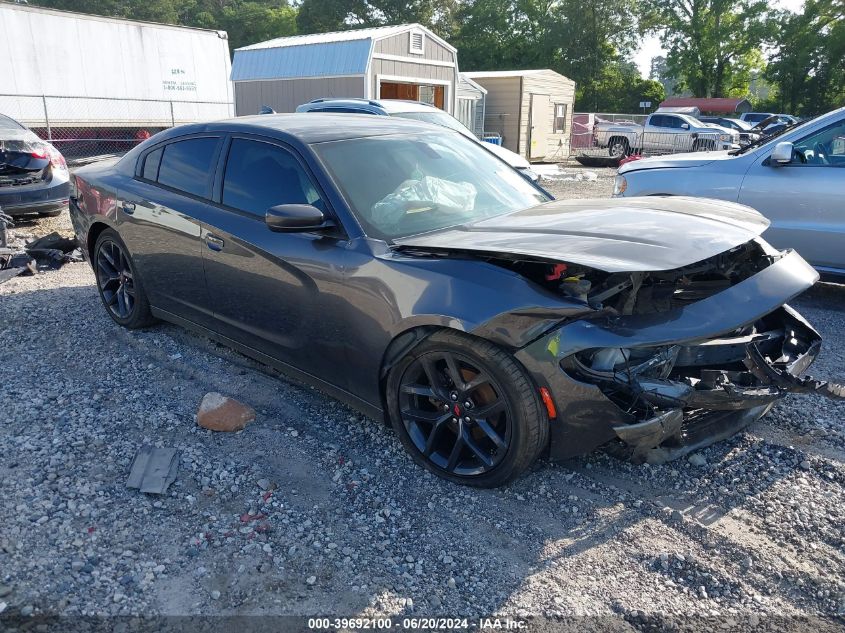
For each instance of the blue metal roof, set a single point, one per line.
(310, 60)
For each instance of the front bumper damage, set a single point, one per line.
(653, 387)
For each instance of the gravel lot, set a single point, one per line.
(314, 510)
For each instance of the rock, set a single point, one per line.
(221, 413)
(264, 484)
(805, 465)
(311, 580)
(215, 595)
(697, 459)
(5, 590)
(451, 583)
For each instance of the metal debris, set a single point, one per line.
(153, 469)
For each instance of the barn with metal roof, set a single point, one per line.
(406, 61)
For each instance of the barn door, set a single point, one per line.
(538, 126)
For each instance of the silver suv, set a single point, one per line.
(795, 178)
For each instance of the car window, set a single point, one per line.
(658, 120)
(260, 175)
(403, 184)
(186, 165)
(825, 148)
(9, 124)
(151, 163)
(674, 122)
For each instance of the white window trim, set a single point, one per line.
(411, 49)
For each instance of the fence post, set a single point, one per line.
(172, 118)
(47, 119)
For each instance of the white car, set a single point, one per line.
(796, 178)
(419, 112)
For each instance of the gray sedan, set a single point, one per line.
(795, 179)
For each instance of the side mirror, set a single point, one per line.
(292, 218)
(684, 126)
(782, 154)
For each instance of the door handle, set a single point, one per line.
(213, 242)
(128, 207)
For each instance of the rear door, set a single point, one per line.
(538, 142)
(275, 292)
(804, 199)
(160, 214)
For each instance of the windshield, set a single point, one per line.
(400, 185)
(765, 140)
(438, 118)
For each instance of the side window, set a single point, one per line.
(260, 175)
(658, 120)
(560, 118)
(825, 147)
(186, 165)
(151, 163)
(673, 122)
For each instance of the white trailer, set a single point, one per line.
(60, 69)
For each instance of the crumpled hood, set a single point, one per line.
(690, 159)
(619, 235)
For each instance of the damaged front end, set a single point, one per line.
(676, 360)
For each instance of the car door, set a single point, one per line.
(161, 211)
(275, 292)
(804, 199)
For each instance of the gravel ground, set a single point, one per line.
(314, 510)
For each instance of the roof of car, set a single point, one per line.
(308, 127)
(388, 105)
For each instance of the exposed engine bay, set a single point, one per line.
(645, 292)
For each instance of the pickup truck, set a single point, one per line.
(663, 133)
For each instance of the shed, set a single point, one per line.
(469, 107)
(530, 109)
(407, 61)
(716, 105)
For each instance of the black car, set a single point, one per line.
(33, 174)
(412, 274)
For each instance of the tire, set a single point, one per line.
(492, 381)
(120, 288)
(618, 147)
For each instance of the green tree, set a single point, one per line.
(808, 65)
(713, 45)
(319, 16)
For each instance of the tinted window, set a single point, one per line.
(672, 122)
(9, 124)
(186, 165)
(259, 176)
(342, 110)
(658, 120)
(151, 163)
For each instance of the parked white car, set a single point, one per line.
(795, 178)
(663, 133)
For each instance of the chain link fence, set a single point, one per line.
(83, 128)
(614, 136)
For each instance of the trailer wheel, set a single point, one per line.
(619, 147)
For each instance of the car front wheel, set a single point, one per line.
(466, 410)
(118, 282)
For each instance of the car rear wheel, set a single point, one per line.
(466, 410)
(619, 147)
(118, 283)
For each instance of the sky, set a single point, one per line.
(651, 45)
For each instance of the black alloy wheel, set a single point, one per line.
(454, 413)
(466, 410)
(118, 283)
(116, 280)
